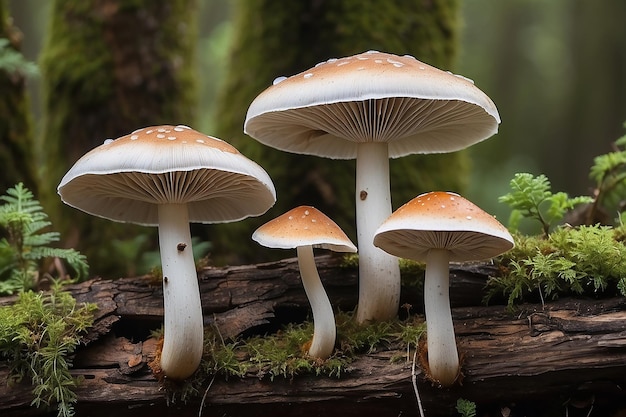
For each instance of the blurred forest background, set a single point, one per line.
(555, 69)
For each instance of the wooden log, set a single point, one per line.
(569, 349)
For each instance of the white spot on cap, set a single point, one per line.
(308, 75)
(181, 128)
(134, 137)
(469, 217)
(372, 51)
(107, 141)
(200, 140)
(149, 131)
(464, 78)
(278, 80)
(160, 135)
(171, 137)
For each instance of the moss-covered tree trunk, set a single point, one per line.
(274, 38)
(110, 67)
(17, 158)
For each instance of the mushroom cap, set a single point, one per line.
(126, 179)
(371, 97)
(442, 220)
(303, 226)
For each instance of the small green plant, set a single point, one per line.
(609, 173)
(27, 243)
(466, 408)
(13, 62)
(531, 197)
(38, 334)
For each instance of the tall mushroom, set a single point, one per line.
(437, 228)
(305, 228)
(372, 106)
(168, 176)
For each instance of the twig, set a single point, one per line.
(414, 380)
(204, 396)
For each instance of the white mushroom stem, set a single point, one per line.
(183, 340)
(379, 272)
(324, 331)
(443, 358)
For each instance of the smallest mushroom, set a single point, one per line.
(437, 228)
(305, 228)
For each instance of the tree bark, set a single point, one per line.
(110, 67)
(538, 355)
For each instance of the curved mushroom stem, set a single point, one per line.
(324, 331)
(443, 358)
(379, 272)
(183, 340)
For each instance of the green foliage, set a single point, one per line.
(26, 243)
(14, 62)
(531, 197)
(466, 408)
(609, 173)
(38, 334)
(582, 260)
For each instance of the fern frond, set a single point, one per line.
(28, 242)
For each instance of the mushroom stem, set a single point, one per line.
(183, 340)
(324, 331)
(443, 358)
(379, 272)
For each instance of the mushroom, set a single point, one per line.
(168, 176)
(372, 106)
(305, 228)
(438, 228)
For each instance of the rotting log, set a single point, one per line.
(565, 350)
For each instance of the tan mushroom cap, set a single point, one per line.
(303, 226)
(126, 179)
(443, 220)
(371, 97)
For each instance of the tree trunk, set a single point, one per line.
(110, 67)
(17, 157)
(275, 38)
(537, 360)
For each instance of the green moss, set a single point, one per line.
(283, 354)
(587, 260)
(38, 335)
